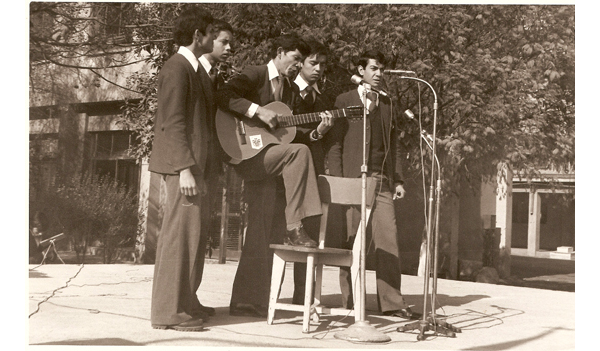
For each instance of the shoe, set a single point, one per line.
(201, 315)
(248, 310)
(191, 325)
(298, 237)
(405, 313)
(208, 310)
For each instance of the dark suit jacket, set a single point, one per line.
(317, 148)
(182, 129)
(345, 153)
(322, 103)
(252, 85)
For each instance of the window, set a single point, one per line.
(109, 157)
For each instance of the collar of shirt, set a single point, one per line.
(205, 63)
(302, 84)
(189, 55)
(273, 72)
(361, 89)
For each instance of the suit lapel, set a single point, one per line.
(206, 84)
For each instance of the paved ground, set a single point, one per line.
(97, 304)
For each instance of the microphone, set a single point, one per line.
(410, 115)
(359, 81)
(397, 71)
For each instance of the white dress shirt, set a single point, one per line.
(302, 84)
(361, 89)
(205, 63)
(189, 55)
(273, 73)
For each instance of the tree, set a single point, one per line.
(504, 74)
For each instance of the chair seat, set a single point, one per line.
(329, 256)
(336, 190)
(315, 250)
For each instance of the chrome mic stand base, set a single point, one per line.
(430, 323)
(362, 331)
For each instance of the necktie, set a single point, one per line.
(278, 88)
(213, 74)
(373, 98)
(309, 99)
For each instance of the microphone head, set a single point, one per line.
(397, 71)
(356, 79)
(409, 114)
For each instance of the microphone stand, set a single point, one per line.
(361, 330)
(429, 321)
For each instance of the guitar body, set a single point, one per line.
(243, 138)
(242, 143)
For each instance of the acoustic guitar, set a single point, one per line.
(243, 138)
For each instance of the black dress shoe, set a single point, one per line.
(247, 310)
(208, 310)
(298, 237)
(200, 314)
(191, 325)
(405, 313)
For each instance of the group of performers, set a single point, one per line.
(280, 179)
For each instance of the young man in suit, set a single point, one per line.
(210, 62)
(385, 165)
(222, 50)
(310, 100)
(179, 154)
(246, 95)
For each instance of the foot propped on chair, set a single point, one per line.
(298, 237)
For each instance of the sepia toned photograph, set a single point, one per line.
(302, 175)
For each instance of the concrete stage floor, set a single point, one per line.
(96, 304)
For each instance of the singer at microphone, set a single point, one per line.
(384, 164)
(359, 81)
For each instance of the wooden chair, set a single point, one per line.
(332, 190)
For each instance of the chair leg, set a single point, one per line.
(318, 284)
(310, 276)
(276, 278)
(318, 291)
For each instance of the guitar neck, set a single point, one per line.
(294, 120)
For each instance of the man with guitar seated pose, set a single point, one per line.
(245, 96)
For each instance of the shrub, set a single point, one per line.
(93, 209)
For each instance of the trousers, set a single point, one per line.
(293, 165)
(180, 254)
(382, 238)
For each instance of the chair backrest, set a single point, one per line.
(345, 191)
(342, 191)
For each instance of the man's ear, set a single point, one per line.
(361, 70)
(280, 51)
(197, 36)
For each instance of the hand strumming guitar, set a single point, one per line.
(267, 116)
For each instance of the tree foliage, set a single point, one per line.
(503, 74)
(93, 210)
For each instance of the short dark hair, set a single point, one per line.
(316, 47)
(188, 21)
(290, 42)
(219, 25)
(364, 58)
